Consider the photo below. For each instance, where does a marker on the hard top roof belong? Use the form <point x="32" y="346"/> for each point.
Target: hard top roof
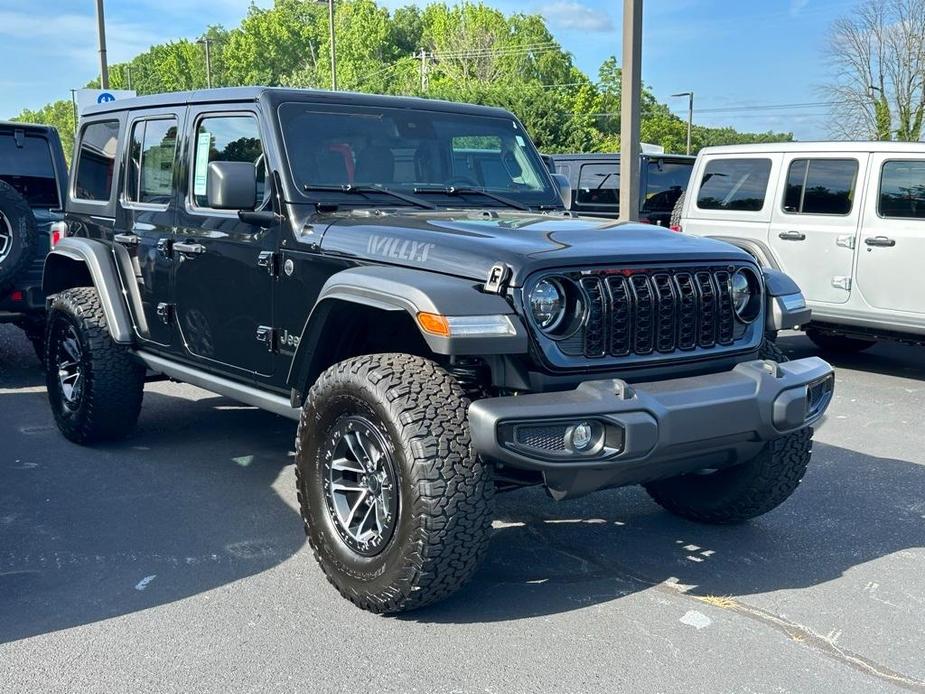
<point x="35" y="127"/>
<point x="821" y="146"/>
<point x="277" y="95"/>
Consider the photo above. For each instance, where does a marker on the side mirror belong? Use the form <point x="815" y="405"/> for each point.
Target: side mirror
<point x="231" y="185"/>
<point x="565" y="189"/>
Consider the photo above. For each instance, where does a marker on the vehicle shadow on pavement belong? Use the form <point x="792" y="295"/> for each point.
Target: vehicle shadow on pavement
<point x="547" y="558"/>
<point x="190" y="502"/>
<point x="887" y="358"/>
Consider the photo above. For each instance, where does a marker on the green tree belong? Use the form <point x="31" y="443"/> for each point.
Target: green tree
<point x="60" y="114"/>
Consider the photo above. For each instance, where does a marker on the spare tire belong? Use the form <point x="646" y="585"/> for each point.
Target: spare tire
<point x="17" y="235"/>
<point x="675" y="221"/>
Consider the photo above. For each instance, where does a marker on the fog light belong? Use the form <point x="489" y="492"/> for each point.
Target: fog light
<point x="582" y="436"/>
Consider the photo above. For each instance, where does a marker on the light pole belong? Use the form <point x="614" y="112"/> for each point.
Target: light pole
<point x="690" y="115"/>
<point x="101" y="31"/>
<point x="207" y="42"/>
<point x="631" y="86"/>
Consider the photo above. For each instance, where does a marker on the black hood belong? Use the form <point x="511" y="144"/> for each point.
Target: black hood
<point x="467" y="243"/>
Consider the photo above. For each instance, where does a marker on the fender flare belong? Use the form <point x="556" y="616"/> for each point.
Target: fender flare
<point x="392" y="289"/>
<point x="757" y="249"/>
<point x="73" y="260"/>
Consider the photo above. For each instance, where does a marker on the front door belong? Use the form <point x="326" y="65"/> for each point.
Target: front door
<point x="892" y="243"/>
<point x="147" y="217"/>
<point x="814" y="223"/>
<point x="223" y="289"/>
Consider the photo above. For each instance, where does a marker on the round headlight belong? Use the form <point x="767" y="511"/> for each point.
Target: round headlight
<point x="746" y="295"/>
<point x="547" y="304"/>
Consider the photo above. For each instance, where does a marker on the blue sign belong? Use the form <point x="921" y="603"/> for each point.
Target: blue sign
<point x="104" y="98"/>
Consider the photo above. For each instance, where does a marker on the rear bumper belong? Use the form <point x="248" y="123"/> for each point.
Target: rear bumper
<point x="649" y="431"/>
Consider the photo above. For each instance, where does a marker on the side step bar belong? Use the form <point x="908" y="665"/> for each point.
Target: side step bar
<point x="231" y="389"/>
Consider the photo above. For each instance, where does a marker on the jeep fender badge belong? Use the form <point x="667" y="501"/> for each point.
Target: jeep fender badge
<point x="498" y="277"/>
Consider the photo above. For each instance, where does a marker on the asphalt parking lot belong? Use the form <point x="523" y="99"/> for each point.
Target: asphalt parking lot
<point x="176" y="561"/>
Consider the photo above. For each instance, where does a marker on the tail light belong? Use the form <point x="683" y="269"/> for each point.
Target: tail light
<point x="675" y="227"/>
<point x="58" y="232"/>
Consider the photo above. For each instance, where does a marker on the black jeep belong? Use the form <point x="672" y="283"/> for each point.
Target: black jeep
<point x="401" y="277"/>
<point x="33" y="176"/>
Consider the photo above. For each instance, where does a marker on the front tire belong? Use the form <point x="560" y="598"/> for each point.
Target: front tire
<point x="737" y="494"/>
<point x="387" y="435"/>
<point x="94" y="386"/>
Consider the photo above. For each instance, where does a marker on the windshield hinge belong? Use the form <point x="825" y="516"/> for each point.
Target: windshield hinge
<point x="269" y="260"/>
<point x="498" y="277"/>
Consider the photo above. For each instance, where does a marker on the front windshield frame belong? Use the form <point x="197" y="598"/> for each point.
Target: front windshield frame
<point x="538" y="192"/>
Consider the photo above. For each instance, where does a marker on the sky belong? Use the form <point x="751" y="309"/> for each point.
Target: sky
<point x="753" y="64"/>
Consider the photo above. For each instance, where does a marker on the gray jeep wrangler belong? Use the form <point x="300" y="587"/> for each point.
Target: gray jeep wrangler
<point x="401" y="277"/>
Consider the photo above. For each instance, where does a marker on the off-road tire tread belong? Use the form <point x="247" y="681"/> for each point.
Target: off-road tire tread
<point x="452" y="511"/>
<point x="763" y="484"/>
<point x="114" y="382"/>
<point x="676" y="211"/>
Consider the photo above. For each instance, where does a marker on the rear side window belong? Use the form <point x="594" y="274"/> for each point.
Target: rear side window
<point x="26" y="165"/>
<point x="734" y="184"/>
<point x="149" y="177"/>
<point x="598" y="184"/>
<point x="96" y="160"/>
<point x="902" y="189"/>
<point x="226" y="138"/>
<point x="820" y="186"/>
<point x="665" y="181"/>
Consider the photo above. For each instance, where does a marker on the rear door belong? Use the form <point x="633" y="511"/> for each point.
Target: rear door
<point x="147" y="222"/>
<point x="891" y="251"/>
<point x="815" y="220"/>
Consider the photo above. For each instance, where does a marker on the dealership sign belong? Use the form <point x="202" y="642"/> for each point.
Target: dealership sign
<point x="85" y="98"/>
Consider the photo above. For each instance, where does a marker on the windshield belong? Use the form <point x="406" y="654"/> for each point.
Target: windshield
<point x="413" y="151"/>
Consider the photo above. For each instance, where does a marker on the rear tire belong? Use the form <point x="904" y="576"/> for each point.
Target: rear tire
<point x="407" y="419"/>
<point x="829" y="342"/>
<point x="737" y="494"/>
<point x="94" y="386"/>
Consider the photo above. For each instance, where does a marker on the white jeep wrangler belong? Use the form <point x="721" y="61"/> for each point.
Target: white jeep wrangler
<point x="846" y="220"/>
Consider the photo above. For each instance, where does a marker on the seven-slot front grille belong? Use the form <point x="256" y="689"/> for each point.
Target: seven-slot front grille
<point x="657" y="311"/>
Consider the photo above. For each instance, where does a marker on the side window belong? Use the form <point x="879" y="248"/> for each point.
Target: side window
<point x="598" y="184"/>
<point x="820" y="186"/>
<point x="226" y="138"/>
<point x="152" y="152"/>
<point x="96" y="161"/>
<point x="734" y="184"/>
<point x="902" y="189"/>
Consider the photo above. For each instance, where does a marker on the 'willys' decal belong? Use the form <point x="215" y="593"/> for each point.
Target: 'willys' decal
<point x="403" y="249"/>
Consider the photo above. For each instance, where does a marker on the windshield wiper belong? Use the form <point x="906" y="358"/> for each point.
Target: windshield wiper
<point x="453" y="190"/>
<point x="364" y="190"/>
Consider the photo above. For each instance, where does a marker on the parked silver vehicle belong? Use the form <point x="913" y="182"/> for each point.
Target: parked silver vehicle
<point x="846" y="220"/>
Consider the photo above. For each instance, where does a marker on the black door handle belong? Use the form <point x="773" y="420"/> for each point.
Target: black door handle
<point x="882" y="241"/>
<point x="792" y="236"/>
<point x="127" y="239"/>
<point x="188" y="248"/>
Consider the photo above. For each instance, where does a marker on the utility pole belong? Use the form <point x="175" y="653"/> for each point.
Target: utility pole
<point x="423" y="56"/>
<point x="690" y="115"/>
<point x="101" y="31"/>
<point x="333" y="49"/>
<point x="207" y="42"/>
<point x="128" y="76"/>
<point x="631" y="86"/>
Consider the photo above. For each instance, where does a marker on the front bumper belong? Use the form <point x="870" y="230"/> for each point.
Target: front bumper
<point x="649" y="431"/>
